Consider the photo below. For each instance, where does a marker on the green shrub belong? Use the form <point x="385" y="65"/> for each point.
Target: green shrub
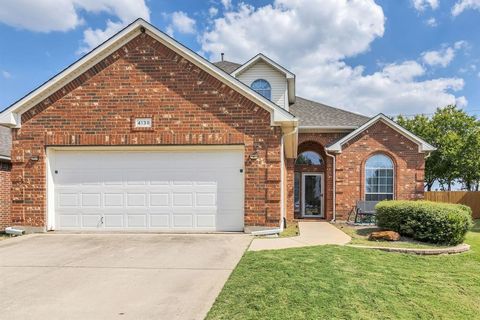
<point x="433" y="222"/>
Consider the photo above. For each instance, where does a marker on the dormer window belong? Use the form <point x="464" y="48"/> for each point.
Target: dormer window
<point x="262" y="87"/>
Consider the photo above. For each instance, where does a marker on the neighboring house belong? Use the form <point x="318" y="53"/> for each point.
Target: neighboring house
<point x="142" y="133"/>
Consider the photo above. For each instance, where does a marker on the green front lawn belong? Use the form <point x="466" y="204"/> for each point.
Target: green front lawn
<point x="333" y="282"/>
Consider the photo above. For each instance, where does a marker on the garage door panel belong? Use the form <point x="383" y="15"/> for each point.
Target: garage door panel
<point x="183" y="221"/>
<point x="91" y="220"/>
<point x="67" y="199"/>
<point x="114" y="221"/>
<point x="159" y="220"/>
<point x="113" y="200"/>
<point x="182" y="199"/>
<point x="158" y="199"/>
<point x="136" y="199"/>
<point x="137" y="221"/>
<point x="69" y="220"/>
<point x="92" y="200"/>
<point x="205" y="199"/>
<point x="141" y="190"/>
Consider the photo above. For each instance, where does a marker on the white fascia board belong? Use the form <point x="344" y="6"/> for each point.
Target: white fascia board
<point x="279" y="115"/>
<point x="10" y="119"/>
<point x="263" y="57"/>
<point x="423" y="146"/>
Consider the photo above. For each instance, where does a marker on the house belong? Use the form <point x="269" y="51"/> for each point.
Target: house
<point x="144" y="134"/>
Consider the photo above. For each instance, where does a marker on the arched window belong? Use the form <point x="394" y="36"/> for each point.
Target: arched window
<point x="262" y="87"/>
<point x="309" y="158"/>
<point x="379" y="178"/>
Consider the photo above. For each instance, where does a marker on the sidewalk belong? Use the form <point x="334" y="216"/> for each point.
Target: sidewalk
<point x="311" y="234"/>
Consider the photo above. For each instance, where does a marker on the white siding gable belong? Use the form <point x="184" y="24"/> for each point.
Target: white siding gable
<point x="277" y="80"/>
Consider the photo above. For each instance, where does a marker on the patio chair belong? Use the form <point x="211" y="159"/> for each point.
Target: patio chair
<point x="365" y="212"/>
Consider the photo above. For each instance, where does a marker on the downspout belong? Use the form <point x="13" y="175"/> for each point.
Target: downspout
<point x="334" y="185"/>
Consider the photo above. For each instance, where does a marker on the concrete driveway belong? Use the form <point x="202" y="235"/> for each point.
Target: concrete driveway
<point x="115" y="276"/>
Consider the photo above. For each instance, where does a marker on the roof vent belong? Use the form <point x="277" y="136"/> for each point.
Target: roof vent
<point x="222" y="54"/>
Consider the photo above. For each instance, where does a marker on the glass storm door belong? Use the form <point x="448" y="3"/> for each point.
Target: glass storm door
<point x="312" y="195"/>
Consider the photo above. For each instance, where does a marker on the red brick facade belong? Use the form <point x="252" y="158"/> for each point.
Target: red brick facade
<point x="5" y="187"/>
<point x="188" y="107"/>
<point x="350" y="167"/>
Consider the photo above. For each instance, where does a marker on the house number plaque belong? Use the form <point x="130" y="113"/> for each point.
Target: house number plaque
<point x="143" y="122"/>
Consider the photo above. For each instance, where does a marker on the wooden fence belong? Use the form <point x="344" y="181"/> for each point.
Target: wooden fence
<point x="469" y="198"/>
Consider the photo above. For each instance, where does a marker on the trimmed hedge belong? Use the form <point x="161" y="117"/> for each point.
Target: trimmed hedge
<point x="433" y="222"/>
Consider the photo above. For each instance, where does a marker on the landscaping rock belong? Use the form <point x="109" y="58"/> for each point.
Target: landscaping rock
<point x="384" y="235"/>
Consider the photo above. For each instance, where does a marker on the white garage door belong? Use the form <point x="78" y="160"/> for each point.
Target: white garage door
<point x="171" y="191"/>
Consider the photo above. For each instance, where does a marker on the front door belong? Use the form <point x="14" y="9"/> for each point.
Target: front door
<point x="312" y="195"/>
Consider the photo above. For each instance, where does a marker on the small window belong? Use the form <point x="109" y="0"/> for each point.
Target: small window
<point x="309" y="158"/>
<point x="379" y="178"/>
<point x="262" y="87"/>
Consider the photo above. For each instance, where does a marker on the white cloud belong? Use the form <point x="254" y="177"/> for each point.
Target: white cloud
<point x="463" y="5"/>
<point x="65" y="15"/>
<point x="212" y="11"/>
<point x="182" y="23"/>
<point x="421" y="5"/>
<point x="314" y="39"/>
<point x="444" y="56"/>
<point x="439" y="58"/>
<point x="461" y="102"/>
<point x="227" y="4"/>
<point x="6" y="74"/>
<point x="432" y="22"/>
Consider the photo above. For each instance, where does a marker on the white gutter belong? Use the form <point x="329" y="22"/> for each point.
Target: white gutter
<point x="334" y="158"/>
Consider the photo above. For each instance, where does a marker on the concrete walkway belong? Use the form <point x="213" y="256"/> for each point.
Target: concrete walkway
<point x="311" y="234"/>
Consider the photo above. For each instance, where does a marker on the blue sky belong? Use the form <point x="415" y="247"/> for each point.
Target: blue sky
<point x="402" y="56"/>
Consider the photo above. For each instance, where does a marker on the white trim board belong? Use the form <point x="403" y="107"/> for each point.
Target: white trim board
<point x="11" y="116"/>
<point x="423" y="146"/>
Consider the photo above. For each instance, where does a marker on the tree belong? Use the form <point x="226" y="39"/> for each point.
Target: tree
<point x="455" y="134"/>
<point x="422" y="126"/>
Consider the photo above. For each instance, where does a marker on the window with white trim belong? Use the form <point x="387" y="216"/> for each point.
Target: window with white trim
<point x="262" y="87"/>
<point x="379" y="178"/>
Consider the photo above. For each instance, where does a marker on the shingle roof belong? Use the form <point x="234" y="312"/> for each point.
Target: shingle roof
<point x="227" y="66"/>
<point x="311" y="113"/>
<point x="5" y="142"/>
